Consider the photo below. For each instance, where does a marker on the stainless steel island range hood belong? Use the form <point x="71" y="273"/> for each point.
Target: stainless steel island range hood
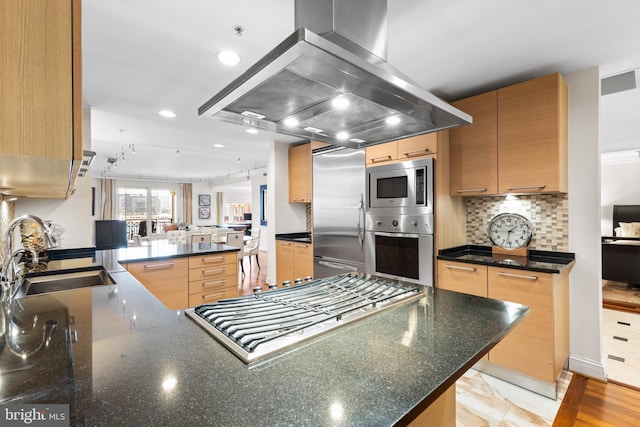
<point x="329" y="81"/>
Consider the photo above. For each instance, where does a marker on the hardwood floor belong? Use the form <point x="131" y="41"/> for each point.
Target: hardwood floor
<point x="593" y="403"/>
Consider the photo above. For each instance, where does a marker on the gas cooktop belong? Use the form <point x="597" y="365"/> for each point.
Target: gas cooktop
<point x="256" y="326"/>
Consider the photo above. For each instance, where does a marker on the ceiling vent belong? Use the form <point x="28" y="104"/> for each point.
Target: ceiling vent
<point x="618" y="83"/>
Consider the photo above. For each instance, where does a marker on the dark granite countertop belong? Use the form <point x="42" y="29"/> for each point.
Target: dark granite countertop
<point x="136" y="362"/>
<point x="303" y="237"/>
<point x="541" y="261"/>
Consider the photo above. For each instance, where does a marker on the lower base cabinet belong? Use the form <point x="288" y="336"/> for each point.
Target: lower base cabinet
<point x="539" y="345"/>
<point x="166" y="279"/>
<point x="294" y="260"/>
<point x="180" y="283"/>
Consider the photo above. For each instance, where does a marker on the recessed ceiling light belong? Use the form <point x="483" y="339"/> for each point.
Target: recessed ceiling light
<point x="228" y="57"/>
<point x="218" y="145"/>
<point x="251" y="130"/>
<point x="291" y="122"/>
<point x="167" y="113"/>
<point x="393" y="120"/>
<point x="342" y="136"/>
<point x="340" y="103"/>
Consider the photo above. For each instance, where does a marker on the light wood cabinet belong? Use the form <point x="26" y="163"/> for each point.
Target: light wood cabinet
<point x="212" y="277"/>
<point x="474" y="148"/>
<point x="532" y="136"/>
<point x="403" y="149"/>
<point x="300" y="174"/>
<point x="517" y="143"/>
<point x="463" y="277"/>
<point x="539" y="345"/>
<point x="41" y="102"/>
<point x="294" y="260"/>
<point x="167" y="280"/>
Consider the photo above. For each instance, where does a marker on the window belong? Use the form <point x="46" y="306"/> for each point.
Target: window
<point x="146" y="210"/>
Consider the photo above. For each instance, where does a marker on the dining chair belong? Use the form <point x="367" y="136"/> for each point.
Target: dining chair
<point x="251" y="247"/>
<point x="176" y="237"/>
<point x="234" y="238"/>
<point x="220" y="234"/>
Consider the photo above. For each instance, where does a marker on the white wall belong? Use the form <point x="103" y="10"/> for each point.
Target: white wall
<point x="616" y="190"/>
<point x="585" y="223"/>
<point x="282" y="216"/>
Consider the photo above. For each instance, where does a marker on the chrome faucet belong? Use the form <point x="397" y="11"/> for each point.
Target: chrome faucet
<point x="10" y="283"/>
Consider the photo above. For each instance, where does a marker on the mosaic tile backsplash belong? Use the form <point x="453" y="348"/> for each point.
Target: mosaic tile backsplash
<point x="549" y="214"/>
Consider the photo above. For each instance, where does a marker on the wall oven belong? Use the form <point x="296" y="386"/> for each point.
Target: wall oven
<point x="399" y="221"/>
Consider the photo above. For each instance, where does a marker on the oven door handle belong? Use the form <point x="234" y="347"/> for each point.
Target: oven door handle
<point x="338" y="266"/>
<point x="398" y="235"/>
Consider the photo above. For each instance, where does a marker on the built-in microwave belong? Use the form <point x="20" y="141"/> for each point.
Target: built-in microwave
<point x="406" y="185"/>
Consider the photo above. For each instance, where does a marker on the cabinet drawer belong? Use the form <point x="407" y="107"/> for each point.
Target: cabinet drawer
<point x="212" y="285"/>
<point x="213" y="272"/>
<point x="418" y="146"/>
<point x="463" y="277"/>
<point x="166" y="279"/>
<point x="213" y="295"/>
<point x="213" y="259"/>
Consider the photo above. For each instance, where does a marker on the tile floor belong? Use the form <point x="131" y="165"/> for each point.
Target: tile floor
<point x="483" y="400"/>
<point x="621" y="345"/>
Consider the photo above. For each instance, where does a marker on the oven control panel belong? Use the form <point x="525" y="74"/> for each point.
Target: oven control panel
<point x="419" y="224"/>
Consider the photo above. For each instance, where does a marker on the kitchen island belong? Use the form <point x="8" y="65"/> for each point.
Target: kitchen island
<point x="136" y="362"/>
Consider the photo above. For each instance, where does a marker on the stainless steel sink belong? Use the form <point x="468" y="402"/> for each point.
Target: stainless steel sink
<point x="65" y="281"/>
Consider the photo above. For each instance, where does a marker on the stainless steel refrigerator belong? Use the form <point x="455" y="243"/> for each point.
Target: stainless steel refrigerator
<point x="338" y="212"/>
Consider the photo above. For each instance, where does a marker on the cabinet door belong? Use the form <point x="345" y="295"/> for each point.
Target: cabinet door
<point x="303" y="260"/>
<point x="529" y="347"/>
<point x="532" y="136"/>
<point x="300" y="174"/>
<point x="381" y="153"/>
<point x="41" y="102"/>
<point x="167" y="280"/>
<point x="474" y="148"/>
<point x="418" y="146"/>
<point x="462" y="277"/>
<point x="284" y="261"/>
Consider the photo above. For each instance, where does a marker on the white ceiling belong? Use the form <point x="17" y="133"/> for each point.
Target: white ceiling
<point x="141" y="56"/>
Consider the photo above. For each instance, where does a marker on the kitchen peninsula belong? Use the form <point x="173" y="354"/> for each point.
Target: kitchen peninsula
<point x="151" y="365"/>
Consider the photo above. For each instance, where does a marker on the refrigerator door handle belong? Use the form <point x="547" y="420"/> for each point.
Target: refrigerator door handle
<point x="361" y="220"/>
<point x="337" y="265"/>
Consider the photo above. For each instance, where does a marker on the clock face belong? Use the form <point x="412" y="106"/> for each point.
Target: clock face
<point x="510" y="231"/>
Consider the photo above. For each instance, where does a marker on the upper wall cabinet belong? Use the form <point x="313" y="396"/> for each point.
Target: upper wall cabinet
<point x="41" y="102"/>
<point x="403" y="149"/>
<point x="517" y="143"/>
<point x="474" y="148"/>
<point x="300" y="174"/>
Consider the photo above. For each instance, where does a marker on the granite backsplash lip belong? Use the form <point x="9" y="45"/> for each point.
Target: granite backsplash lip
<point x="540" y="261"/>
<point x="303" y="237"/>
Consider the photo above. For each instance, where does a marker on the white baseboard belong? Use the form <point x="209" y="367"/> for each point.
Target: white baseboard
<point x="587" y="367"/>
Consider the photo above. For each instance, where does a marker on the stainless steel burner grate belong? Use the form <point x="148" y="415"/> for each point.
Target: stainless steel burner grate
<point x="264" y="323"/>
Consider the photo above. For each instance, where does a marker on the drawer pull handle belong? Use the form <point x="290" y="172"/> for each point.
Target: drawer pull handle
<point x="218" y="259"/>
<point x="380" y="158"/>
<point x="163" y="265"/>
<point x="519" y="276"/>
<point x="415" y="152"/>
<point x="216" y="271"/>
<point x="472" y="190"/>
<point x="526" y="187"/>
<point x="455" y="267"/>
<point x="213" y="295"/>
<point x="217" y="282"/>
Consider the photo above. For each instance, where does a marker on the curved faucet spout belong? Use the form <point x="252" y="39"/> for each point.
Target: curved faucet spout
<point x="9" y="268"/>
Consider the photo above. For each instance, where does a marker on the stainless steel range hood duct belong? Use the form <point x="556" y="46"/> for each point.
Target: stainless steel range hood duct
<point x="337" y="53"/>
